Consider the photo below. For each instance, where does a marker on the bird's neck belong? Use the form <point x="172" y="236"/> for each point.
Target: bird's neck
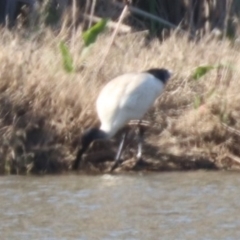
<point x="108" y="131"/>
<point x="100" y="134"/>
<point x="91" y="135"/>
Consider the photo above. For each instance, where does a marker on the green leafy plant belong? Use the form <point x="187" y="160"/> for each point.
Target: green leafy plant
<point x="66" y="57"/>
<point x="90" y="35"/>
<point x="201" y="71"/>
<point x="89" y="38"/>
<point x="197" y="102"/>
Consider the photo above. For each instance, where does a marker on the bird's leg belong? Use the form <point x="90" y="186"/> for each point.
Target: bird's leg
<point x="118" y="156"/>
<point x="141" y="131"/>
<point x="120" y="149"/>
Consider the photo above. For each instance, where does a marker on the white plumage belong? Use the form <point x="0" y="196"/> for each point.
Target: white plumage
<point x="127" y="97"/>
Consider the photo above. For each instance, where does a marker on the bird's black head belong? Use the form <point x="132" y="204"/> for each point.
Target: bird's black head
<point x="160" y="73"/>
<point x="90" y="135"/>
<point x="87" y="138"/>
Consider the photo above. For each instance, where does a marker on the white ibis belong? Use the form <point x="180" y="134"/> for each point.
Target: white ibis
<point x="126" y="97"/>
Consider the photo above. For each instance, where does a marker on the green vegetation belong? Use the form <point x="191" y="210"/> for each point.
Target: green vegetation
<point x="201" y="71"/>
<point x="67" y="58"/>
<point x="89" y="37"/>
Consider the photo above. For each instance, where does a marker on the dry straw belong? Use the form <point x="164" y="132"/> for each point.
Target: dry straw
<point x="44" y="109"/>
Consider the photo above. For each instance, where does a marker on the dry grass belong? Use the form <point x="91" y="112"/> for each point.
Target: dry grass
<point x="44" y="109"/>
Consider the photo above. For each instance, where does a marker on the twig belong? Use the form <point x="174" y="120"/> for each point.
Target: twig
<point x="122" y="27"/>
<point x="146" y="14"/>
<point x="74" y="10"/>
<point x="233" y="158"/>
<point x="92" y="13"/>
<point x="87" y="7"/>
<point x="153" y="17"/>
<point x="191" y="16"/>
<point x="122" y="16"/>
<point x="230" y="129"/>
<point x="227" y="17"/>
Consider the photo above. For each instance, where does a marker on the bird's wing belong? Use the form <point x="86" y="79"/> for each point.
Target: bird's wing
<point x="140" y="95"/>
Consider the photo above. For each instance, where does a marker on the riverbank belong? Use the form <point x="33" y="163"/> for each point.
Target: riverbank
<point x="44" y="109"/>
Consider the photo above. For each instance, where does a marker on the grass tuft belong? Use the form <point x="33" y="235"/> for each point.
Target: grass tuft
<point x="44" y="109"/>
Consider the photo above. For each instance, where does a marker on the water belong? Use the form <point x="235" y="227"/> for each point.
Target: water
<point x="183" y="205"/>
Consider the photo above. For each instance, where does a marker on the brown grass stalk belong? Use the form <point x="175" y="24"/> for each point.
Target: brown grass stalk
<point x="114" y="34"/>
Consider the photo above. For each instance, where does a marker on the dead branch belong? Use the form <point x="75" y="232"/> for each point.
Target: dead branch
<point x="122" y="16"/>
<point x="122" y="27"/>
<point x="231" y="129"/>
<point x="146" y="14"/>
